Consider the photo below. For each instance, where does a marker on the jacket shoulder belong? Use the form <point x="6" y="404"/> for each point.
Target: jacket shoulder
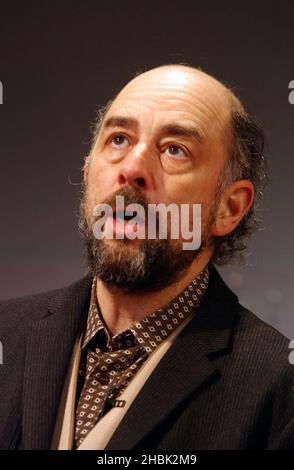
<point x="267" y="350"/>
<point x="29" y="308"/>
<point x="258" y="331"/>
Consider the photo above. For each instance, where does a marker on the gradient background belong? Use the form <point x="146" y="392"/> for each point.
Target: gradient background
<point x="60" y="60"/>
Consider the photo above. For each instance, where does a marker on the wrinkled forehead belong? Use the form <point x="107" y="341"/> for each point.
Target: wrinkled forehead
<point x="190" y="95"/>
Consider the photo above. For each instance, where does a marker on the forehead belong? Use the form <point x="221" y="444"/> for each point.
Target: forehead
<point x="160" y="96"/>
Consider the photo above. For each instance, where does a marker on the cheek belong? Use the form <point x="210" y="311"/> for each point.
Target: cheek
<point x="195" y="189"/>
<point x="190" y="190"/>
<point x="101" y="179"/>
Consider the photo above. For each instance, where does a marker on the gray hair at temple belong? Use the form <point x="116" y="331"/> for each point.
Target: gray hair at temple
<point x="246" y="161"/>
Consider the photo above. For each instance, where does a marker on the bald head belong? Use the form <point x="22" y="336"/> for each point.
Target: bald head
<point x="177" y="77"/>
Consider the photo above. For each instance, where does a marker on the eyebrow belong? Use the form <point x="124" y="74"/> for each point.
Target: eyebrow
<point x="172" y="129"/>
<point x="180" y="130"/>
<point x="120" y="121"/>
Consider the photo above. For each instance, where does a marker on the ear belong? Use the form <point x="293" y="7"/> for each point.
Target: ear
<point x="86" y="167"/>
<point x="234" y="205"/>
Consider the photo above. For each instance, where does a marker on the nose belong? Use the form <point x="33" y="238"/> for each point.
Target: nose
<point x="136" y="168"/>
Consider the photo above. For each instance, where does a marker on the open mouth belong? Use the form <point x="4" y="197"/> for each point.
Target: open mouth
<point x="121" y="225"/>
<point x="122" y="216"/>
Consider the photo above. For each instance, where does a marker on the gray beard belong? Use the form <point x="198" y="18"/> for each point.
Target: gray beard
<point x="152" y="265"/>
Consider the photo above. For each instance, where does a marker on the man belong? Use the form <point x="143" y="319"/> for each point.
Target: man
<point x="151" y="350"/>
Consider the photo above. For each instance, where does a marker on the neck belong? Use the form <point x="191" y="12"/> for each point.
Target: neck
<point x="121" y="310"/>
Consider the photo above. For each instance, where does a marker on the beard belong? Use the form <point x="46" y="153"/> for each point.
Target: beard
<point x="150" y="265"/>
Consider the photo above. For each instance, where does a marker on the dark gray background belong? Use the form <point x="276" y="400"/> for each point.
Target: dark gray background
<point x="59" y="61"/>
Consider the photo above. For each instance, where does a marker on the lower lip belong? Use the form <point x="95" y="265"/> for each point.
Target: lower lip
<point x="119" y="227"/>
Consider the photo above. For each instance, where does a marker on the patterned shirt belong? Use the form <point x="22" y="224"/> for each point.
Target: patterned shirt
<point x="108" y="363"/>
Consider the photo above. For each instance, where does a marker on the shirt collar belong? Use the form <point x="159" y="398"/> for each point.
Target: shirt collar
<point x="154" y="328"/>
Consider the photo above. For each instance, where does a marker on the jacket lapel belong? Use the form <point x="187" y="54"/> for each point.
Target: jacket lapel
<point x="49" y="348"/>
<point x="186" y="366"/>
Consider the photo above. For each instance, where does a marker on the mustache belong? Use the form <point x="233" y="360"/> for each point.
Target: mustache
<point x="131" y="196"/>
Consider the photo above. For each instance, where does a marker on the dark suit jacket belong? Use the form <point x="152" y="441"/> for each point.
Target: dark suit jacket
<point x="226" y="383"/>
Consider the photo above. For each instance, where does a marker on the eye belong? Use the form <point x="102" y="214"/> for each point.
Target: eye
<point x="175" y="151"/>
<point x="119" y="141"/>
